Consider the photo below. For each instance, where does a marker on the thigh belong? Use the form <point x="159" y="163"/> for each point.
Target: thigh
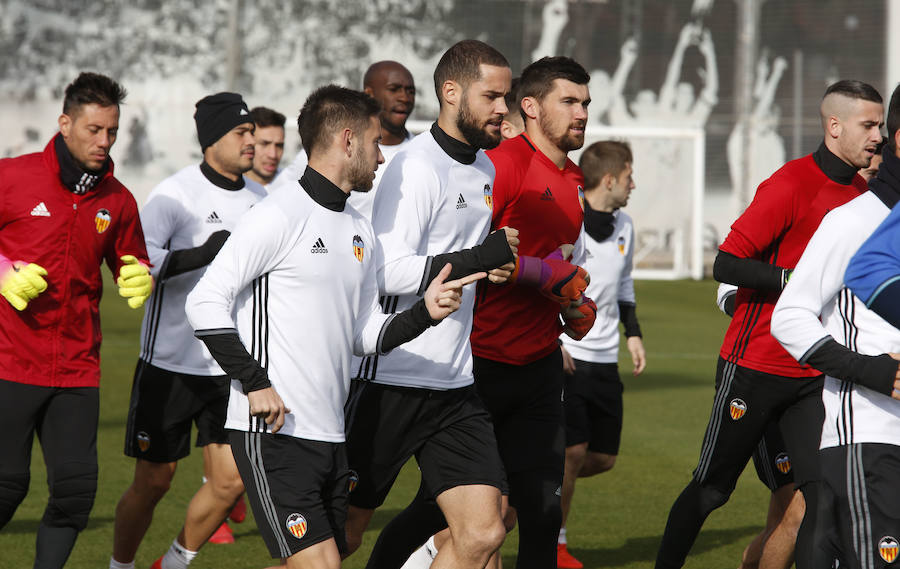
<point x="291" y="484"/>
<point x="213" y="392"/>
<point x="801" y="427"/>
<point x="68" y="429"/>
<point x="383" y="432"/>
<point x="742" y="408"/>
<point x="20" y="408"/>
<point x="605" y="406"/>
<point x="462" y="449"/>
<point x="160" y="416"/>
<point x="771" y="459"/>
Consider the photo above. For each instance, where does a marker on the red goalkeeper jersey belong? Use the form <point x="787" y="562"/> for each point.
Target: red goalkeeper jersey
<point x="516" y="324"/>
<point x="775" y="228"/>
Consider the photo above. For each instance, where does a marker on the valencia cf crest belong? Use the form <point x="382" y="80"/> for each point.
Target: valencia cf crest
<point x="888" y="548"/>
<point x="783" y="463"/>
<point x="489" y="196"/>
<point x="621" y="243"/>
<point x="102" y="220"/>
<point x="143" y="440"/>
<point x="359" y="248"/>
<point x="354" y="480"/>
<point x="581" y="196"/>
<point x="738" y="409"/>
<point x="296" y="524"/>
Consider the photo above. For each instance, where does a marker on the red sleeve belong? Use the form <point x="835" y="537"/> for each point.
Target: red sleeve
<point x="767" y="217"/>
<point x="129" y="238"/>
<point x="506" y="184"/>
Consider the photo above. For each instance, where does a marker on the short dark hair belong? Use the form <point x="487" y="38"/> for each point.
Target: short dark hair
<point x="331" y="108"/>
<point x="92" y="88"/>
<point x="537" y="79"/>
<point x="264" y="116"/>
<point x="893" y="115"/>
<point x="855" y="90"/>
<point x="462" y="63"/>
<point x="602" y="158"/>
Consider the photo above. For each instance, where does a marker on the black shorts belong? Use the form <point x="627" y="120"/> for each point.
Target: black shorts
<point x="449" y="433"/>
<point x="861" y="496"/>
<point x="772" y="460"/>
<point x="163" y="406"/>
<point x="297" y="489"/>
<point x="746" y="402"/>
<point x="593" y="407"/>
<point x="525" y="403"/>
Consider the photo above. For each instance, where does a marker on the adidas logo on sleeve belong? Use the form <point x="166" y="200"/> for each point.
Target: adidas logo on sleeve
<point x="40" y="210"/>
<point x="461" y="203"/>
<point x="319" y="247"/>
<point x="213" y="218"/>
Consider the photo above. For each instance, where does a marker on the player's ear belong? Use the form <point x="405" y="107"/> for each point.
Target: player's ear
<point x="347" y="142"/>
<point x="530" y="106"/>
<point x="834" y="126"/>
<point x="369" y="91"/>
<point x="607" y="182"/>
<point x="452" y="92"/>
<point x="896" y="141"/>
<point x="65" y="124"/>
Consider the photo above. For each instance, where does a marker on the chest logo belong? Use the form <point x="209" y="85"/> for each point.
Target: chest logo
<point x="489" y="196"/>
<point x="102" y="219"/>
<point x="547" y="195"/>
<point x="214" y="218"/>
<point x="888" y="548"/>
<point x="581" y="196"/>
<point x="296" y="524"/>
<point x="738" y="409"/>
<point x="319" y="247"/>
<point x="359" y="248"/>
<point x="621" y="243"/>
<point x="461" y="202"/>
<point x="40" y="210"/>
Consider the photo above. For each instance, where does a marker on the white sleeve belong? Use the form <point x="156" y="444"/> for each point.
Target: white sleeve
<point x="723" y="293"/>
<point x="255" y="247"/>
<point x="161" y="217"/>
<point x="579" y="253"/>
<point x="816" y="280"/>
<point x="401" y="217"/>
<point x="626" y="283"/>
<point x="372" y="322"/>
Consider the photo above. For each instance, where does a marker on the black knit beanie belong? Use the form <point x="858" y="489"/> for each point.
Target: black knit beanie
<point x="217" y="114"/>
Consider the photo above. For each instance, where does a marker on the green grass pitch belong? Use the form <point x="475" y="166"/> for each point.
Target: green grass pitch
<point x="617" y="517"/>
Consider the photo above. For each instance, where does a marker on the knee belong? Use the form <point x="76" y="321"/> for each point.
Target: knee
<point x="575" y="456"/>
<point x="480" y="540"/>
<point x="228" y="488"/>
<point x="597" y="463"/>
<point x="72" y="492"/>
<point x="711" y="498"/>
<point x="13" y="488"/>
<point x="153" y="485"/>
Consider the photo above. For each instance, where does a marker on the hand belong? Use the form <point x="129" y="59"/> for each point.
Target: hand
<point x="579" y="318"/>
<point x="501" y="274"/>
<point x="214" y="242"/>
<point x="512" y="239"/>
<point x="638" y="356"/>
<point x="554" y="277"/>
<point x="568" y="361"/>
<point x="780" y="64"/>
<point x="688" y="34"/>
<point x="21" y="282"/>
<point x="135" y="282"/>
<point x="267" y="403"/>
<point x="443" y="298"/>
<point x="629" y="49"/>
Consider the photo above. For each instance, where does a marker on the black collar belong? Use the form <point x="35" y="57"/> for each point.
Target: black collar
<point x="886" y="183"/>
<point x="220" y="180"/>
<point x="323" y="191"/>
<point x="75" y="178"/>
<point x="833" y="167"/>
<point x="598" y="224"/>
<point x="456" y="149"/>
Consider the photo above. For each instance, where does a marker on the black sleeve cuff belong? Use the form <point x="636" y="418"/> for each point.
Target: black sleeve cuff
<point x="748" y="273"/>
<point x="184" y="260"/>
<point x="875" y="372"/>
<point x="628" y="317"/>
<point x="404" y="326"/>
<point x="228" y="350"/>
<point x="886" y="305"/>
<point x="493" y="252"/>
<point x="730" y="302"/>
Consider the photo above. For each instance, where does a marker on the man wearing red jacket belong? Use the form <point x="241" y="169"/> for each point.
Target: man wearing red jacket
<point x="757" y="380"/>
<point x="62" y="213"/>
<point x="515" y="337"/>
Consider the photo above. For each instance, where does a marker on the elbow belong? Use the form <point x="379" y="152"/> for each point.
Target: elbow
<point x="720" y="269"/>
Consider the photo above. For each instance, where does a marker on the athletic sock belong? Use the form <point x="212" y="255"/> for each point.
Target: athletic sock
<point x="562" y="536"/>
<point x="54" y="544"/>
<point x="113" y="564"/>
<point x="177" y="557"/>
<point x="431" y="547"/>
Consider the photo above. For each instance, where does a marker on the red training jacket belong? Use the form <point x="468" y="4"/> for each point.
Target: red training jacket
<point x="55" y="341"/>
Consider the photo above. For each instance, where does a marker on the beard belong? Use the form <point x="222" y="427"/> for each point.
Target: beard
<point x="565" y="141"/>
<point x="474" y="130"/>
<point x="360" y="175"/>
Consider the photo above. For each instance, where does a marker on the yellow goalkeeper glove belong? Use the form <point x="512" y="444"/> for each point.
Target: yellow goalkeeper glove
<point x="135" y="282"/>
<point x="21" y="282"/>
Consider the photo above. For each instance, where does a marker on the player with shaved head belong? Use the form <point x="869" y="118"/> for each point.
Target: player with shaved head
<point x="757" y="380"/>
